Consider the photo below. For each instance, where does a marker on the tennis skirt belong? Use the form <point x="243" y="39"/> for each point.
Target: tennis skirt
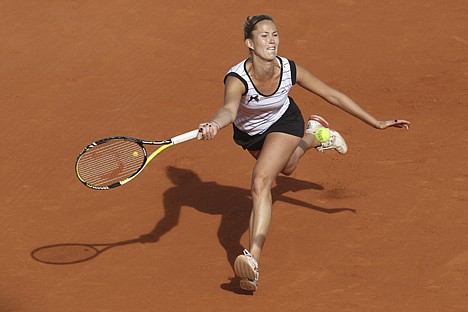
<point x="291" y="122"/>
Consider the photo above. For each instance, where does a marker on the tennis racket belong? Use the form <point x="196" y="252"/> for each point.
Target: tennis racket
<point x="114" y="161"/>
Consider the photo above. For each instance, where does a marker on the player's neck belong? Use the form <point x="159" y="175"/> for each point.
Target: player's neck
<point x="263" y="69"/>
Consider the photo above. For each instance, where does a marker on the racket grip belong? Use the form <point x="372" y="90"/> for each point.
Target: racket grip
<point x="185" y="137"/>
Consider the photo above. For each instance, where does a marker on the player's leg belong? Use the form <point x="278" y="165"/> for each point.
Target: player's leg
<point x="309" y="141"/>
<point x="276" y="151"/>
<point x="275" y="154"/>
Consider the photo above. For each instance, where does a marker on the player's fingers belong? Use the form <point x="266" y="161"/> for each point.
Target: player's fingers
<point x="212" y="130"/>
<point x="209" y="133"/>
<point x="200" y="134"/>
<point x="202" y="131"/>
<point x="206" y="131"/>
<point x="400" y="123"/>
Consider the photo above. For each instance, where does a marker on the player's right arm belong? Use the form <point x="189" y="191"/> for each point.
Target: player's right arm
<point x="226" y="114"/>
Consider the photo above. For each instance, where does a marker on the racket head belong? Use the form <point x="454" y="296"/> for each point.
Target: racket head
<point x="110" y="162"/>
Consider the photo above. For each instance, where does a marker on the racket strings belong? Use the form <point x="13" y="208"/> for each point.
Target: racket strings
<point x="110" y="162"/>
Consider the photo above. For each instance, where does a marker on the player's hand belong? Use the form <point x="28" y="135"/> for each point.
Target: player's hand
<point x="398" y="123"/>
<point x="207" y="131"/>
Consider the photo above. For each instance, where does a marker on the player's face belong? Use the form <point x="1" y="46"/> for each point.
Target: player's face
<point x="265" y="40"/>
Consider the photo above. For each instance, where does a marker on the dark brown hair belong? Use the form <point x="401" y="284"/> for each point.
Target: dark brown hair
<point x="252" y="21"/>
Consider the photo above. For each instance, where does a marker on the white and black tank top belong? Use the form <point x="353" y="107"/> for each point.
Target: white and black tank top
<point x="257" y="111"/>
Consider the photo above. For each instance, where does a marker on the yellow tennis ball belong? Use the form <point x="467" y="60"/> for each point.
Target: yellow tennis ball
<point x="322" y="135"/>
<point x="135" y="154"/>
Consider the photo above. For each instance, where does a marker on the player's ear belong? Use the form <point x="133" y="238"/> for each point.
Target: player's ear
<point x="249" y="44"/>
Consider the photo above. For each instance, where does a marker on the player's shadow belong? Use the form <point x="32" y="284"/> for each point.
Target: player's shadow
<point x="232" y="203"/>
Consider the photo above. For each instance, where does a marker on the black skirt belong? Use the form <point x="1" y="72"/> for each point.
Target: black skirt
<point x="291" y="122"/>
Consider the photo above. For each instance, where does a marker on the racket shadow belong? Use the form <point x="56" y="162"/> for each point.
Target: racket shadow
<point x="73" y="253"/>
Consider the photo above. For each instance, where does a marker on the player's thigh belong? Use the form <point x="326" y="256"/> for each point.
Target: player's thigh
<point x="276" y="152"/>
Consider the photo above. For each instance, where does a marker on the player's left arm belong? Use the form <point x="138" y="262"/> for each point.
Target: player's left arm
<point x="310" y="82"/>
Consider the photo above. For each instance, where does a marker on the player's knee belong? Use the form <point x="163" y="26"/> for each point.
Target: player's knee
<point x="261" y="184"/>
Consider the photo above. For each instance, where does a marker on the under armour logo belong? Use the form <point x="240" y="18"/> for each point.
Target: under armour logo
<point x="253" y="97"/>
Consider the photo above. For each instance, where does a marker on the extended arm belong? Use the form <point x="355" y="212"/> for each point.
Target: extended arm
<point x="308" y="81"/>
<point x="226" y="114"/>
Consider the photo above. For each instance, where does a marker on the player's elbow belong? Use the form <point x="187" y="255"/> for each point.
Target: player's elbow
<point x="230" y="113"/>
<point x="334" y="100"/>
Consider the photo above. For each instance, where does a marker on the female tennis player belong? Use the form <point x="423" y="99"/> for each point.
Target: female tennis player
<point x="269" y="125"/>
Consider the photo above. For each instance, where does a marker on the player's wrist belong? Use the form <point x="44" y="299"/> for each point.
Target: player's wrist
<point x="216" y="124"/>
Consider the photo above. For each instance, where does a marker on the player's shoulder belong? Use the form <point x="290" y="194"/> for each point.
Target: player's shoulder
<point x="239" y="68"/>
<point x="285" y="60"/>
<point x="288" y="67"/>
<point x="239" y="73"/>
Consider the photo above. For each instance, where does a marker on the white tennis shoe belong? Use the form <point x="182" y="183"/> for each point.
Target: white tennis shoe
<point x="336" y="141"/>
<point x="246" y="267"/>
<point x="315" y="122"/>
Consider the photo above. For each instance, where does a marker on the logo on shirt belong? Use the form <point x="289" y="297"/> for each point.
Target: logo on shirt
<point x="253" y="97"/>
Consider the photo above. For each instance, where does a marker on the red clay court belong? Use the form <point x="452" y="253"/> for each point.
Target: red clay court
<point x="384" y="228"/>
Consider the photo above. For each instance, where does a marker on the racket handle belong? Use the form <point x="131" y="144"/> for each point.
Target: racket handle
<point x="185" y="137"/>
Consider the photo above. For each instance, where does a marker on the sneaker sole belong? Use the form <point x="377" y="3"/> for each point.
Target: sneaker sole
<point x="243" y="269"/>
<point x="245" y="284"/>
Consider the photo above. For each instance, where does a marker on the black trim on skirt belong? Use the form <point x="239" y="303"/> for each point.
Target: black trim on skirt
<point x="291" y="122"/>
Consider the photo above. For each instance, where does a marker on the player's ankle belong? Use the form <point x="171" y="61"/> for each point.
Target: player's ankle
<point x="309" y="141"/>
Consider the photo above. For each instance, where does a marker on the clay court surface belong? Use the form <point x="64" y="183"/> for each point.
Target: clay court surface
<point x="384" y="228"/>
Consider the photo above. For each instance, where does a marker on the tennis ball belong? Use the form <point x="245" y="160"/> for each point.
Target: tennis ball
<point x="135" y="154"/>
<point x="322" y="135"/>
